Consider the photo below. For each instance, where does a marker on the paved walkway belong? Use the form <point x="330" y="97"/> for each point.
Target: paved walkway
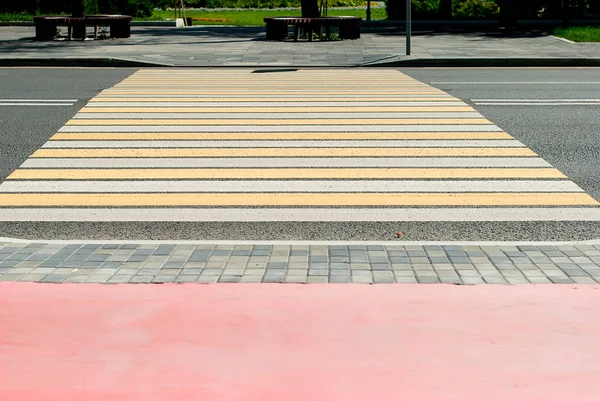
<point x="214" y="46"/>
<point x="189" y="262"/>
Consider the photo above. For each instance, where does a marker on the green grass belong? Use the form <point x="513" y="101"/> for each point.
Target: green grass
<point x="579" y="34"/>
<point x="238" y="18"/>
<point x="255" y="17"/>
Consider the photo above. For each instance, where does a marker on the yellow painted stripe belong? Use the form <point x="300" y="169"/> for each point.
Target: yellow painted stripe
<point x="322" y="98"/>
<point x="200" y="91"/>
<point x="280" y="136"/>
<point x="299" y="199"/>
<point x="346" y="109"/>
<point x="283" y="152"/>
<point x="253" y="86"/>
<point x="260" y="121"/>
<point x="283" y="173"/>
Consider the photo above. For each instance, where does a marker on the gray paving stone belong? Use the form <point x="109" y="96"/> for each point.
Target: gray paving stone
<point x="120" y="278"/>
<point x="584" y="280"/>
<point x="473" y="280"/>
<point x="10" y="277"/>
<point x="182" y="278"/>
<point x="427" y="280"/>
<point x="32" y="277"/>
<point x="53" y="278"/>
<point x="362" y="279"/>
<point x="100" y="278"/>
<point x="406" y="280"/>
<point x="76" y="278"/>
<point x="229" y="279"/>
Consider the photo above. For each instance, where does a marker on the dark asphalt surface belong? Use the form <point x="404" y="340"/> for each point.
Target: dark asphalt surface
<point x="568" y="137"/>
<point x="23" y="129"/>
<point x="565" y="136"/>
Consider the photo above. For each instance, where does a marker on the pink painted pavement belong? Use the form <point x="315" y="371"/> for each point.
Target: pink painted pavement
<point x="299" y="342"/>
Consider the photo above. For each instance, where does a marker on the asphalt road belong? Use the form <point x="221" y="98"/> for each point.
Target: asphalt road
<point x="26" y="127"/>
<point x="564" y="135"/>
<point x="567" y="136"/>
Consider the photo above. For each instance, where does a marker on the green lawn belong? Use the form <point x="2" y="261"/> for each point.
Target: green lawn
<point x="241" y="18"/>
<point x="579" y="34"/>
<point x="255" y="17"/>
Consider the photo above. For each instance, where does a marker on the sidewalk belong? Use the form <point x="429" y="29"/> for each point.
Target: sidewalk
<point x="298" y="262"/>
<point x="235" y="46"/>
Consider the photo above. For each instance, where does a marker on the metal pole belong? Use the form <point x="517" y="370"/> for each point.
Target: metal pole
<point x="368" y="10"/>
<point x="408" y="26"/>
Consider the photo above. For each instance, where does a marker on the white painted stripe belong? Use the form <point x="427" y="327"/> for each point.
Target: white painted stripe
<point x="39" y="100"/>
<point x="287" y="144"/>
<point x="281" y="128"/>
<point x="300" y="214"/>
<point x="317" y="162"/>
<point x="287" y="186"/>
<point x="536" y="100"/>
<point x="535" y="104"/>
<point x="308" y="103"/>
<point x="515" y="83"/>
<point x="306" y="115"/>
<point x="36" y="104"/>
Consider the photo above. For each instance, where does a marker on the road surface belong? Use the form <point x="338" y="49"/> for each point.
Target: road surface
<point x="442" y="154"/>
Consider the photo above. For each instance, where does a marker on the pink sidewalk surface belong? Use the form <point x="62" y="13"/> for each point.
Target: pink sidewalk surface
<point x="299" y="342"/>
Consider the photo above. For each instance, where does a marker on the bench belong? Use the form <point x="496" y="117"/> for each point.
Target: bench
<point x="277" y="27"/>
<point x="46" y="27"/>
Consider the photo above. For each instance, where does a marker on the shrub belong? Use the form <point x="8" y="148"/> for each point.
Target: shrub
<point x="475" y="9"/>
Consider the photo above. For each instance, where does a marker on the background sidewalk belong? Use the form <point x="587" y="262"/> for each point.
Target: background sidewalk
<point x="245" y="46"/>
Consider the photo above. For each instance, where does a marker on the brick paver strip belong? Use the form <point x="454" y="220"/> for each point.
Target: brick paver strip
<point x="370" y="264"/>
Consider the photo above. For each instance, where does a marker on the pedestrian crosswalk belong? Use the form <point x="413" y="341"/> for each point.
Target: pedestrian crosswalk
<point x="303" y="145"/>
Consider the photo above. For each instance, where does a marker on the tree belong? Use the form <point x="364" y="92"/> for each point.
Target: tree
<point x="396" y="9"/>
<point x="78" y="8"/>
<point x="310" y="8"/>
<point x="445" y="10"/>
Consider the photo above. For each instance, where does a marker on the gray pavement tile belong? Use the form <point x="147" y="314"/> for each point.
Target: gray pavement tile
<point x="272" y="279"/>
<point x="561" y="280"/>
<point x="316" y="279"/>
<point x="584" y="280"/>
<point x="120" y="278"/>
<point x="32" y="277"/>
<point x="229" y="279"/>
<point x="53" y="278"/>
<point x="473" y="280"/>
<point x="427" y="280"/>
<point x="21" y="270"/>
<point x="450" y="280"/>
<point x="362" y="279"/>
<point x="318" y="272"/>
<point x="10" y="277"/>
<point x="159" y="279"/>
<point x="98" y="278"/>
<point x="383" y="280"/>
<point x="185" y="278"/>
<point x="539" y="280"/>
<point x="495" y="280"/>
<point x="75" y="278"/>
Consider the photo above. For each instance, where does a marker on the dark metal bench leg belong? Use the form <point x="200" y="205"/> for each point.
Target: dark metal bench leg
<point x="296" y="32"/>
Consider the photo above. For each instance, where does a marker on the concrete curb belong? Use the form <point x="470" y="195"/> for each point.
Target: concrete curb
<point x="386" y="63"/>
<point x="302" y="242"/>
<point x="77" y="62"/>
<point x="489" y="62"/>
